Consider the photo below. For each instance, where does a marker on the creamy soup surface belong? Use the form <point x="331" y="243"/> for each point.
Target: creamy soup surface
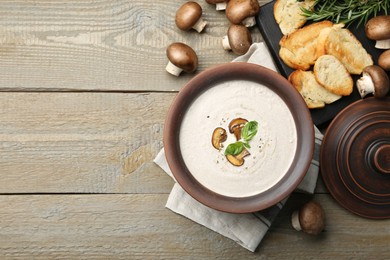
<point x="272" y="149"/>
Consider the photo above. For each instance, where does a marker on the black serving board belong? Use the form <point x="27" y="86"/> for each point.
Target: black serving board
<point x="272" y="35"/>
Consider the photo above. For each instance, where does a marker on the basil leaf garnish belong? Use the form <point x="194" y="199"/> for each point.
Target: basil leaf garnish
<point x="246" y="145"/>
<point x="234" y="148"/>
<point x="249" y="131"/>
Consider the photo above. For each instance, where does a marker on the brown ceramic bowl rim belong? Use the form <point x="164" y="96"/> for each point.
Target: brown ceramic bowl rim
<point x="249" y="72"/>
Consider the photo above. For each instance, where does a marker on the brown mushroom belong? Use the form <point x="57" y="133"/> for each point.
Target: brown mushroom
<point x="242" y="12"/>
<point x="181" y="57"/>
<point x="188" y="16"/>
<point x="236" y="125"/>
<point x="384" y="60"/>
<point x="310" y="218"/>
<point x="238" y="160"/>
<point x="219" y="136"/>
<point x="220" y="5"/>
<point x="374" y="80"/>
<point x="238" y="39"/>
<point x="378" y="29"/>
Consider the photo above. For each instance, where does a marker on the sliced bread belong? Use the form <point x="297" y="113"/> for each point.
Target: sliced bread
<point x="314" y="94"/>
<point x="299" y="49"/>
<point x="342" y="44"/>
<point x="333" y="75"/>
<point x="322" y="37"/>
<point x="288" y="14"/>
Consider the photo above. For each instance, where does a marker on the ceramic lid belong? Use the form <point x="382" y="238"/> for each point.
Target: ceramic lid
<point x="355" y="158"/>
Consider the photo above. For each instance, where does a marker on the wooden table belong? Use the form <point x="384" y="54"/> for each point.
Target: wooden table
<point x="84" y="94"/>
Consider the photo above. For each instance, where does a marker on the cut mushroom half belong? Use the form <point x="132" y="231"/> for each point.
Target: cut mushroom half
<point x="181" y="58"/>
<point x="236" y="125"/>
<point x="238" y="160"/>
<point x="242" y="12"/>
<point x="378" y="29"/>
<point x="219" y="136"/>
<point x="238" y="39"/>
<point x="189" y="16"/>
<point x="374" y="80"/>
<point x="220" y="5"/>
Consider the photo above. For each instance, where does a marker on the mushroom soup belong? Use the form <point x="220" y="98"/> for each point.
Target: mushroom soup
<point x="271" y="150"/>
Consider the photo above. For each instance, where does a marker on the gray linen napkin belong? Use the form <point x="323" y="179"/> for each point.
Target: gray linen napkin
<point x="246" y="229"/>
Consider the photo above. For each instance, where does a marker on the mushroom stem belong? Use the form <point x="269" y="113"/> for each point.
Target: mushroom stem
<point x="382" y="44"/>
<point x="199" y="25"/>
<point x="249" y="21"/>
<point x="295" y="220"/>
<point x="173" y="69"/>
<point x="365" y="85"/>
<point x="221" y="6"/>
<point x="225" y="43"/>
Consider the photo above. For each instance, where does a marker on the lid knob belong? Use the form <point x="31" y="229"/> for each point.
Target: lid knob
<point x="381" y="158"/>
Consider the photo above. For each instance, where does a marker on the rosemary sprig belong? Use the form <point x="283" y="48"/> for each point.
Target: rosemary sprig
<point x="346" y="11"/>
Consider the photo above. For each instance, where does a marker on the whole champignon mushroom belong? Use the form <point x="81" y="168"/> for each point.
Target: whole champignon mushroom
<point x="238" y="160"/>
<point x="219" y="136"/>
<point x="236" y="125"/>
<point x="378" y="29"/>
<point x="374" y="80"/>
<point x="188" y="16"/>
<point x="181" y="57"/>
<point x="242" y="12"/>
<point x="384" y="60"/>
<point x="310" y="218"/>
<point x="238" y="39"/>
<point x="220" y="5"/>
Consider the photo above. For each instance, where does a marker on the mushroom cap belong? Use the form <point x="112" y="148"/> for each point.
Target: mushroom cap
<point x="213" y="2"/>
<point x="312" y="218"/>
<point x="182" y="56"/>
<point x="240" y="38"/>
<point x="187" y="15"/>
<point x="237" y="122"/>
<point x="379" y="78"/>
<point x="238" y="10"/>
<point x="378" y="28"/>
<point x="384" y="60"/>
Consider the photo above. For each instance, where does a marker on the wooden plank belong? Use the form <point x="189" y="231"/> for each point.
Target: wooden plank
<point x="82" y="142"/>
<point x="346" y="235"/>
<point x="101" y="45"/>
<point x="139" y="227"/>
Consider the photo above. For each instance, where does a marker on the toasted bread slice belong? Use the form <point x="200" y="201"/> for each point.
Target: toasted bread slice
<point x="288" y="14"/>
<point x="342" y="44"/>
<point x="299" y="49"/>
<point x="333" y="75"/>
<point x="314" y="94"/>
<point x="322" y="37"/>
